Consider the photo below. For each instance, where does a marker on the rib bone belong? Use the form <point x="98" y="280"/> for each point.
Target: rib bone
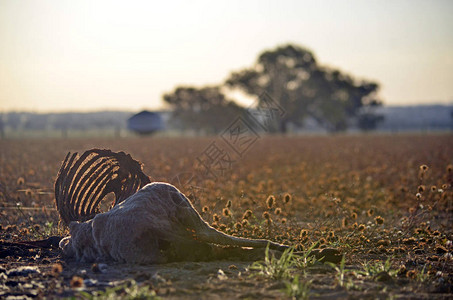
<point x="83" y="182"/>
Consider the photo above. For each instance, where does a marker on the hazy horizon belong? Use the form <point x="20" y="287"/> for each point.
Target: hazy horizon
<point x="134" y="111"/>
<point x="62" y="56"/>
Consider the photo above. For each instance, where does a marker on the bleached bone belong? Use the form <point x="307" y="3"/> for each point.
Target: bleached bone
<point x="153" y="225"/>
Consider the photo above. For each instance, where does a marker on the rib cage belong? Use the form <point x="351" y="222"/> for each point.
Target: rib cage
<point x="83" y="182"/>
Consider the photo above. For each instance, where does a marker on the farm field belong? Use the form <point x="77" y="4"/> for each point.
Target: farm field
<point x="385" y="202"/>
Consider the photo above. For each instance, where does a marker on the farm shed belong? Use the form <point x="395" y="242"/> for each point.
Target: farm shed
<point x="145" y="122"/>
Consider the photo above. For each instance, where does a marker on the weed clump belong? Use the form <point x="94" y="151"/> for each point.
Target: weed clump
<point x="270" y="201"/>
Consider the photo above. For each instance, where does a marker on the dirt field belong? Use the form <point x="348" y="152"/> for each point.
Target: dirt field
<point x="385" y="202"/>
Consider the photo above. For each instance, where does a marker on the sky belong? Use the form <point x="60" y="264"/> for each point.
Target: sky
<point x="59" y="55"/>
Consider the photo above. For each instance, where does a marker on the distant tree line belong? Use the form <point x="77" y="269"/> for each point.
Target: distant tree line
<point x="63" y="121"/>
<point x="295" y="80"/>
<point x="397" y="119"/>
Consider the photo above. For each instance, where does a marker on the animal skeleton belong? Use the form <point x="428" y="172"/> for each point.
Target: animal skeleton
<point x="149" y="222"/>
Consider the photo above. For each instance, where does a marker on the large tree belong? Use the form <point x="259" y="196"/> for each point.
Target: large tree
<point x="204" y="108"/>
<point x="292" y="77"/>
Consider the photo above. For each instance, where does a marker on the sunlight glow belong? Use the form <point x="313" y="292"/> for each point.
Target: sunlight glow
<point x="124" y="55"/>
